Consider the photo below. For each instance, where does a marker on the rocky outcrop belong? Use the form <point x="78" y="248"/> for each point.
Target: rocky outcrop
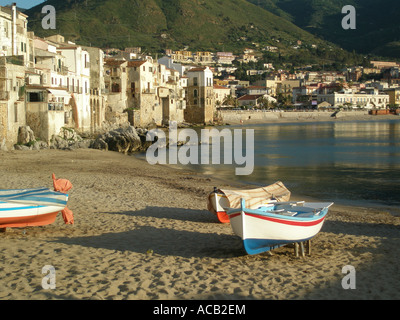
<point x="27" y="140"/>
<point x="69" y="139"/>
<point x="25" y="135"/>
<point x="123" y="140"/>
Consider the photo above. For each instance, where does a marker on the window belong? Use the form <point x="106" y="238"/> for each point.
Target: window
<point x="35" y="97"/>
<point x="115" y="87"/>
<point x="195" y="93"/>
<point x="195" y="81"/>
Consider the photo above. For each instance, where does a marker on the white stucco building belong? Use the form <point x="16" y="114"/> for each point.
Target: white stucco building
<point x="361" y="99"/>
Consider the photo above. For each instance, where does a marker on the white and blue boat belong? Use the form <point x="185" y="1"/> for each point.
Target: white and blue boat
<point x="30" y="207"/>
<point x="277" y="224"/>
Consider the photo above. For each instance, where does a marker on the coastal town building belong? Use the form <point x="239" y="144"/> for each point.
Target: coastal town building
<point x="200" y="96"/>
<point x="98" y="99"/>
<point x="394" y="96"/>
<point x="224" y="58"/>
<point x="220" y="94"/>
<point x="169" y="63"/>
<point x="203" y="57"/>
<point x="364" y="99"/>
<point x="12" y="99"/>
<point x="47" y="98"/>
<point x="77" y="60"/>
<point x="255" y="100"/>
<point x="15" y="40"/>
<point x="115" y="89"/>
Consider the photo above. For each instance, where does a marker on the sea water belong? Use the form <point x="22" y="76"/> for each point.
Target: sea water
<point x="348" y="162"/>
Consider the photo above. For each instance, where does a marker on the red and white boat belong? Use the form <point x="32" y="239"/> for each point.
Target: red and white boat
<point x="277" y="224"/>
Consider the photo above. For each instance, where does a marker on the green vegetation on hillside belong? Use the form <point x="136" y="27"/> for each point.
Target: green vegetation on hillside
<point x="377" y="22"/>
<point x="214" y="25"/>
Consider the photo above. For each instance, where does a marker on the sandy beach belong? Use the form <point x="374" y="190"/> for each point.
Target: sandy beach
<point x="142" y="232"/>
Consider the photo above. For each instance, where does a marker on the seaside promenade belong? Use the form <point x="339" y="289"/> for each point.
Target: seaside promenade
<point x="260" y="116"/>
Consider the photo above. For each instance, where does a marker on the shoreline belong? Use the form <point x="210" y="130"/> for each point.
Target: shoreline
<point x="143" y="232"/>
<point x="358" y="205"/>
<point x="242" y="118"/>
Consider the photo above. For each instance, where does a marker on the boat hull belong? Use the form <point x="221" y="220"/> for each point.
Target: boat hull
<point x="30" y="207"/>
<point x="263" y="232"/>
<point x="29" y="221"/>
<point x="220" y="199"/>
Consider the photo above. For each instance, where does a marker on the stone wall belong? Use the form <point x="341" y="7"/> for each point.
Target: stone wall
<point x="235" y="116"/>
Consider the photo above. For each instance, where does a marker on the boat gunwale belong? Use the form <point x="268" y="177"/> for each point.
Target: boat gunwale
<point x="276" y="216"/>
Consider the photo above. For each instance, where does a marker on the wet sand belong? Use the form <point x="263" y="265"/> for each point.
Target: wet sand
<point x="143" y="232"/>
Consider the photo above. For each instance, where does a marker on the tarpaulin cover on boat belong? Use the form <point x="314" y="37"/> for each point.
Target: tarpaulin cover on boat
<point x="253" y="197"/>
<point x="63" y="185"/>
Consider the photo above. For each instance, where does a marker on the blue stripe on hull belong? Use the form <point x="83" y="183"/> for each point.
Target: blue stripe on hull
<point x="256" y="246"/>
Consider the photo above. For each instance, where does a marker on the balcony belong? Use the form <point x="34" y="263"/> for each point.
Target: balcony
<point x="63" y="70"/>
<point x="54" y="106"/>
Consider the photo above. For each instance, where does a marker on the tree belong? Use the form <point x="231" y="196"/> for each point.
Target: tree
<point x="230" y="101"/>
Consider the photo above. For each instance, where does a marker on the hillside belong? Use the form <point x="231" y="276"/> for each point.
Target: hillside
<point x="377" y="22"/>
<point x="158" y="24"/>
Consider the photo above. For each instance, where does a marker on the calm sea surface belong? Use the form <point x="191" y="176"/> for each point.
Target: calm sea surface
<point x="345" y="162"/>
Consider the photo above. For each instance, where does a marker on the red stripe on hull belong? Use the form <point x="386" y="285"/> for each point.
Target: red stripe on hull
<point x="30" y="221"/>
<point x="288" y="222"/>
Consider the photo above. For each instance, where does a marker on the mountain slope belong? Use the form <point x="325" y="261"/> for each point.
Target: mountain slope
<point x="377" y="22"/>
<point x="159" y="24"/>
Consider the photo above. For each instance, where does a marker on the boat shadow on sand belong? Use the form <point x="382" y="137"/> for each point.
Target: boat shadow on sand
<point x="202" y="236"/>
<point x="174" y="213"/>
<point x="163" y="239"/>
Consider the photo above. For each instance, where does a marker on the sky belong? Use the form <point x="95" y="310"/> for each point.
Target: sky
<point x="24" y="4"/>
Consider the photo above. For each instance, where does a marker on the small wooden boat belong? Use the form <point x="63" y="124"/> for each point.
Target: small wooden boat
<point x="220" y="199"/>
<point x="34" y="207"/>
<point x="277" y="224"/>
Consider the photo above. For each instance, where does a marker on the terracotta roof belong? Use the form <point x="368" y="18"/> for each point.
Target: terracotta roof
<point x="197" y="69"/>
<point x="113" y="62"/>
<point x="220" y="87"/>
<point x="135" y="63"/>
<point x="250" y="97"/>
